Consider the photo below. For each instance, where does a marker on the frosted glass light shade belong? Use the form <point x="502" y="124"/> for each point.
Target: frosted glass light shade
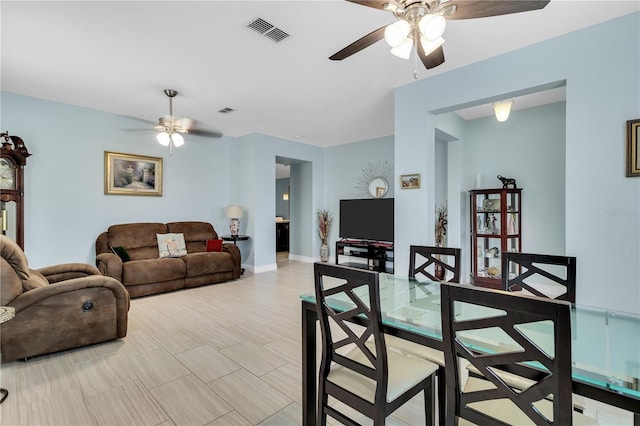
<point x="502" y="110"/>
<point x="163" y="138"/>
<point x="404" y="50"/>
<point x="395" y="34"/>
<point x="177" y="139"/>
<point x="234" y="212"/>
<point x="432" y="26"/>
<point x="430" y="45"/>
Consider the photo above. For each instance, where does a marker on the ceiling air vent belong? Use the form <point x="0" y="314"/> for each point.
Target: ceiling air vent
<point x="267" y="30"/>
<point x="226" y="110"/>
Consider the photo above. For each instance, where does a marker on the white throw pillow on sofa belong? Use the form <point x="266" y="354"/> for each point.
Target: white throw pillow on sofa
<point x="171" y="245"/>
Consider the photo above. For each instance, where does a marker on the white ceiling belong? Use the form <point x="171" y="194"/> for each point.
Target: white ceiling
<point x="118" y="56"/>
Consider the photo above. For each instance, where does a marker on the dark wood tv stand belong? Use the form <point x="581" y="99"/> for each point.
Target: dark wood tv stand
<point x="378" y="256"/>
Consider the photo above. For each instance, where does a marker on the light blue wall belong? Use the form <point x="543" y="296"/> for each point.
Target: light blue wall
<point x="66" y="208"/>
<point x="603" y="91"/>
<point x="256" y="191"/>
<point x="65" y="205"/>
<point x="344" y="167"/>
<point x="529" y="147"/>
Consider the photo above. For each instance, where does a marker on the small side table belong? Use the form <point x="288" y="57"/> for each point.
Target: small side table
<point x="235" y="239"/>
<point x="6" y="313"/>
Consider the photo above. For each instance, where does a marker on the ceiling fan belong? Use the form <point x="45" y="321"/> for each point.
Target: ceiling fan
<point x="170" y="128"/>
<point x="421" y="23"/>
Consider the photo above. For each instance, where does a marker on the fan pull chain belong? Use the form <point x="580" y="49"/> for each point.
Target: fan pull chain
<point x="415" y="64"/>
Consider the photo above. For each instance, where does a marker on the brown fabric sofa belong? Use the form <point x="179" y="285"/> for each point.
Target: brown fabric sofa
<point x="57" y="307"/>
<point x="146" y="273"/>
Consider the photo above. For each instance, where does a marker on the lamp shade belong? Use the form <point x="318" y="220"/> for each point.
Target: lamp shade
<point x="404" y="50"/>
<point x="234" y="211"/>
<point x="432" y="26"/>
<point x="163" y="138"/>
<point x="177" y="139"/>
<point x="502" y="110"/>
<point x="397" y="32"/>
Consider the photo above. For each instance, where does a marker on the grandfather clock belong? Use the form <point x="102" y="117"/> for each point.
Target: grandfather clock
<point x="12" y="162"/>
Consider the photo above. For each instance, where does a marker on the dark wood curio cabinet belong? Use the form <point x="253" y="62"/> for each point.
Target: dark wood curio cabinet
<point x="496" y="221"/>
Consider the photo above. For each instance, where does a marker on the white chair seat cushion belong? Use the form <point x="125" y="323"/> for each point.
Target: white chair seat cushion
<point x="405" y="371"/>
<point x="521" y="383"/>
<point x="506" y="411"/>
<point x="408" y="347"/>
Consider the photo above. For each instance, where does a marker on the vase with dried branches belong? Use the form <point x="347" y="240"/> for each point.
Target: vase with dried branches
<point x="440" y="237"/>
<point x="324" y="224"/>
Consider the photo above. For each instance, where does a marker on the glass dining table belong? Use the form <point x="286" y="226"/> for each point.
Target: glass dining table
<point x="605" y="344"/>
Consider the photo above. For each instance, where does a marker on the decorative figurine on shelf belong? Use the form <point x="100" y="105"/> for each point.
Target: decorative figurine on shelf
<point x="491" y="224"/>
<point x="507" y="181"/>
<point x="492" y="271"/>
<point x="511" y="224"/>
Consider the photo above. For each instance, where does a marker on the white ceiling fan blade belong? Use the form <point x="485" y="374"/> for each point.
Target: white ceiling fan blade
<point x="184" y="123"/>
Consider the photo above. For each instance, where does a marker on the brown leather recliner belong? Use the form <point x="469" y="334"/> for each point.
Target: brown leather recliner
<point x="57" y="307"/>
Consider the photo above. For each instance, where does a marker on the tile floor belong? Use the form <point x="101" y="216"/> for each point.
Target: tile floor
<point x="224" y="354"/>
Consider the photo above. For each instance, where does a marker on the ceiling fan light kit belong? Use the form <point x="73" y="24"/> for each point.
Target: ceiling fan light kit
<point x="404" y="33"/>
<point x="171" y="129"/>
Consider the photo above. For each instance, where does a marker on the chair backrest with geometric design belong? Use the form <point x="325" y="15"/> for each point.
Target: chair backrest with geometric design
<point x="435" y="263"/>
<point x="541" y="275"/>
<point x="359" y="295"/>
<point x="530" y="330"/>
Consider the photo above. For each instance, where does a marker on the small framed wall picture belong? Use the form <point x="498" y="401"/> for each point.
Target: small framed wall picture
<point x="633" y="150"/>
<point x="410" y="181"/>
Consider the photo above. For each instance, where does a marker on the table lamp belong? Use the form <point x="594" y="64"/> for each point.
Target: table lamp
<point x="234" y="212"/>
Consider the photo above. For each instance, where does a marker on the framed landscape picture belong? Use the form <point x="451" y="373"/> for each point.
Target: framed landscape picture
<point x="410" y="181"/>
<point x="633" y="151"/>
<point x="130" y="174"/>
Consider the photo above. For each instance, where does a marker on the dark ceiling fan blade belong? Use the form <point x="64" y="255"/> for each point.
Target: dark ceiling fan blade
<point x="376" y="4"/>
<point x="468" y="9"/>
<point x="205" y="133"/>
<point x="433" y="59"/>
<point x="359" y="44"/>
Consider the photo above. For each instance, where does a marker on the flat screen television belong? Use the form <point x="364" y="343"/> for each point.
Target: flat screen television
<point x="367" y="219"/>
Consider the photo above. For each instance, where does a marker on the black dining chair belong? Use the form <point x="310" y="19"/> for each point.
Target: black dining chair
<point x="494" y="331"/>
<point x="541" y="275"/>
<point x="427" y="261"/>
<point x="356" y="366"/>
<point x="435" y="263"/>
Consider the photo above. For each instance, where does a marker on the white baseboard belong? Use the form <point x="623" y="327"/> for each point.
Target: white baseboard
<point x="264" y="268"/>
<point x="306" y="259"/>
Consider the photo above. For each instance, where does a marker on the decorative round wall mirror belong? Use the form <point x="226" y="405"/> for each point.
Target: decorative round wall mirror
<point x="376" y="180"/>
<point x="378" y="187"/>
